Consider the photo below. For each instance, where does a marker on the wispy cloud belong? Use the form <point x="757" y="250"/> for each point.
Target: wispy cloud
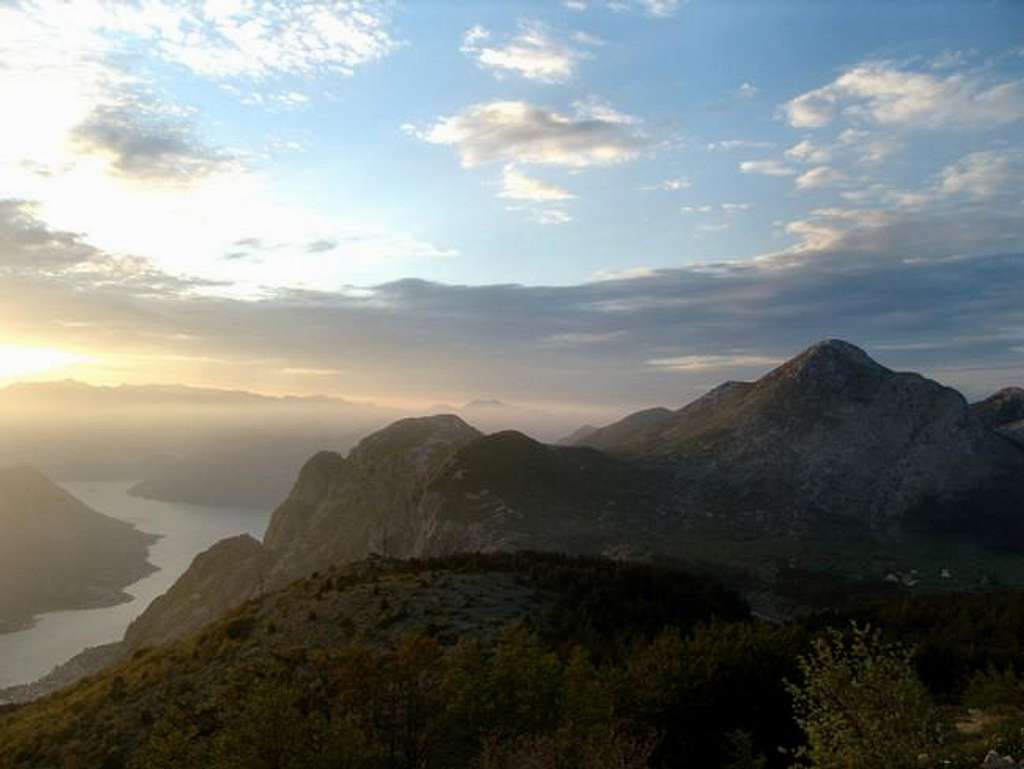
<point x="533" y="53"/>
<point x="518" y="186"/>
<point x="655" y="8"/>
<point x="553" y="216"/>
<point x="818" y="177"/>
<point x="766" y="168"/>
<point x="715" y="362"/>
<point x="737" y="144"/>
<point x="671" y="185"/>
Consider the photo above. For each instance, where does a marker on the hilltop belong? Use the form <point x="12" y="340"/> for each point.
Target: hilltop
<point x="56" y="553"/>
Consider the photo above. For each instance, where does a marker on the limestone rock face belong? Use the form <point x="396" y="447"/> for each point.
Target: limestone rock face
<point x="344" y="509"/>
<point x="219" y="579"/>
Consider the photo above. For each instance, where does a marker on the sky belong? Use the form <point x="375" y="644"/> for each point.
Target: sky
<point x="607" y="203"/>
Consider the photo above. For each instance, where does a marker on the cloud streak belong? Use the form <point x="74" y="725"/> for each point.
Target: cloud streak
<point x="894" y="284"/>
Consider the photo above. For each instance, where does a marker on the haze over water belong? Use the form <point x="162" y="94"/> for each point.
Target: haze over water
<point x="186" y="530"/>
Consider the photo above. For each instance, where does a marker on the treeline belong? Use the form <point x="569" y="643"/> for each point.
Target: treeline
<point x="712" y="698"/>
<point x="631" y="666"/>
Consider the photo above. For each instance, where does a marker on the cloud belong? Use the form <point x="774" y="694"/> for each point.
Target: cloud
<point x="265" y="38"/>
<point x="656" y="8"/>
<point x="219" y="39"/>
<point x="991" y="177"/>
<point x="982" y="175"/>
<point x="321" y="246"/>
<point x="585" y="38"/>
<point x="28" y="244"/>
<point x="818" y="177"/>
<point x="518" y="186"/>
<point x="736" y="144"/>
<point x="883" y="93"/>
<point x="671" y="185"/>
<point x="922" y="232"/>
<point x="553" y="216"/>
<point x="143" y="142"/>
<point x="746" y="91"/>
<point x="807" y="151"/>
<point x="715" y="362"/>
<point x="29" y="248"/>
<point x="520" y="132"/>
<point x="712" y="228"/>
<point x="725" y="208"/>
<point x="766" y="168"/>
<point x="895" y="282"/>
<point x="533" y="54"/>
<point x="874" y="147"/>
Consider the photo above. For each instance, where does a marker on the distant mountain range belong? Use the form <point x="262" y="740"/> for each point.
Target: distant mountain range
<point x="186" y="444"/>
<point x="202" y="445"/>
<point x="56" y="553"/>
<point x="70" y="391"/>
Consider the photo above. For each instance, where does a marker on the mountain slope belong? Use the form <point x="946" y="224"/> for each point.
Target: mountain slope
<point x="57" y="553"/>
<point x="830" y="437"/>
<point x="1004" y="412"/>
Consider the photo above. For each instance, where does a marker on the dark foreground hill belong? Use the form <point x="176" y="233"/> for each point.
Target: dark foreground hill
<point x="398" y="641"/>
<point x="57" y="553"/>
<point x="515" y="661"/>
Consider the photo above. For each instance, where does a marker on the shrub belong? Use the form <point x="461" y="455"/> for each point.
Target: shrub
<point x="861" y="705"/>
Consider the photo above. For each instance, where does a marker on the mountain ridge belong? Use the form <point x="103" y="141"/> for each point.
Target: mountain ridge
<point x="830" y="462"/>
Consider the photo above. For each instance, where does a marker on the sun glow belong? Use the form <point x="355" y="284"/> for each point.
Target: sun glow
<point x="18" y="362"/>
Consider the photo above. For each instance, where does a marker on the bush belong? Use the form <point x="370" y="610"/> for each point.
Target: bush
<point x="861" y="705"/>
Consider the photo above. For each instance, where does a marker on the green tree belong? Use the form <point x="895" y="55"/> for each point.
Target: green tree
<point x="861" y="705"/>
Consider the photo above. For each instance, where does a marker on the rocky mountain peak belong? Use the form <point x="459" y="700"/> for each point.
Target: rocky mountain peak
<point x="419" y="443"/>
<point x="444" y="428"/>
<point x="316" y="475"/>
<point x="831" y="360"/>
